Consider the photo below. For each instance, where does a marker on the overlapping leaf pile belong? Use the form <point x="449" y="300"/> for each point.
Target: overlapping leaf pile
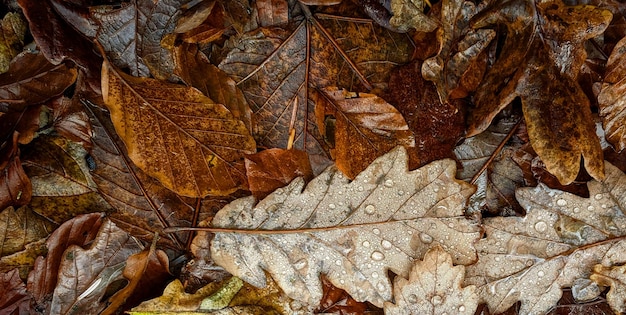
<point x="287" y="157"/>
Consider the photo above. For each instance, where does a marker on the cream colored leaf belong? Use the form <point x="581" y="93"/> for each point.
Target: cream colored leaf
<point x="434" y="287"/>
<point x="615" y="277"/>
<point x="560" y="239"/>
<point x="352" y="231"/>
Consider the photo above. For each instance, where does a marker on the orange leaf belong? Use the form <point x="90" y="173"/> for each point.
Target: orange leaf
<point x="275" y="168"/>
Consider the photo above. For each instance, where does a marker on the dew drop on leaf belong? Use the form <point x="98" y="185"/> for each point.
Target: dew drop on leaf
<point x="388" y="183"/>
<point x="426" y="239"/>
<point x="376" y="231"/>
<point x="561" y="202"/>
<point x="378" y="256"/>
<point x="437" y="300"/>
<point x="461" y="309"/>
<point x="300" y="264"/>
<point x="365" y="244"/>
<point x="370" y="209"/>
<point x="541" y="226"/>
<point x="598" y="196"/>
<point x="386" y="244"/>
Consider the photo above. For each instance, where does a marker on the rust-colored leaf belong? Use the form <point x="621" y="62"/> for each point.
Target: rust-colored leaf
<point x="272" y="12"/>
<point x="15" y="187"/>
<point x="71" y="122"/>
<point x="556" y="109"/>
<point x="366" y="127"/>
<point x="19" y="227"/>
<point x="275" y="168"/>
<point x="338" y="301"/>
<point x="15" y="299"/>
<point x="175" y="134"/>
<point x="31" y="79"/>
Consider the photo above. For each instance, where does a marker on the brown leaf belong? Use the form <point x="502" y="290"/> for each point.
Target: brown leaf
<point x="409" y="14"/>
<point x="42" y="280"/>
<point x="437" y="127"/>
<point x="274" y="168"/>
<point x="338" y="301"/>
<point x="193" y="67"/>
<point x="15" y="299"/>
<point x="15" y="187"/>
<point x="19" y="227"/>
<point x="31" y="80"/>
<point x="177" y="135"/>
<point x="25" y="122"/>
<point x="71" y="122"/>
<point x="13" y="28"/>
<point x="556" y="110"/>
<point x="611" y="98"/>
<point x="143" y="206"/>
<point x="143" y="270"/>
<point x="366" y="127"/>
<point x="272" y="12"/>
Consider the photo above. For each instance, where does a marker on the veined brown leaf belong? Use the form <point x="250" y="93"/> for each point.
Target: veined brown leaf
<point x="351" y="231"/>
<point x="177" y="135"/>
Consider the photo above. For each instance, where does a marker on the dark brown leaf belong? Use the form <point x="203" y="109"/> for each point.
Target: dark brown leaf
<point x="338" y="301"/>
<point x="15" y="299"/>
<point x="15" y="187"/>
<point x="71" y="122"/>
<point x="13" y="29"/>
<point x="25" y="122"/>
<point x="275" y="168"/>
<point x="272" y="12"/>
<point x="31" y="80"/>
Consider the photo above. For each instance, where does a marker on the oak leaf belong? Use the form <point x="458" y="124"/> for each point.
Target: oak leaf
<point x="561" y="238"/>
<point x="614" y="277"/>
<point x="548" y="39"/>
<point x="344" y="229"/>
<point x="433" y="287"/>
<point x="177" y="135"/>
<point x="612" y="100"/>
<point x="366" y="127"/>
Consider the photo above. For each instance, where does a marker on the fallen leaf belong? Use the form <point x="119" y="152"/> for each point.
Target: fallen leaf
<point x="15" y="298"/>
<point x="611" y="98"/>
<point x="272" y="12"/>
<point x="408" y="14"/>
<point x="31" y="80"/>
<point x="614" y="277"/>
<point x="71" y="122"/>
<point x="15" y="186"/>
<point x="131" y="36"/>
<point x="530" y="259"/>
<point x="338" y="301"/>
<point x="433" y="287"/>
<point x="366" y="127"/>
<point x="437" y="126"/>
<point x="338" y="227"/>
<point x="85" y="274"/>
<point x="556" y="110"/>
<point x="42" y="280"/>
<point x="13" y="30"/>
<point x="193" y="67"/>
<point x="460" y="51"/>
<point x="274" y="168"/>
<point x="177" y="135"/>
<point x="25" y="122"/>
<point x="19" y="227"/>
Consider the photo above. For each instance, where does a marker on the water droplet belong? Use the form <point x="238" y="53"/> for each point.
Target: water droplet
<point x="590" y="208"/>
<point x="388" y="183"/>
<point x="300" y="264"/>
<point x="498" y="258"/>
<point x="412" y="298"/>
<point x="386" y="244"/>
<point x="338" y="262"/>
<point x="341" y="281"/>
<point x="437" y="300"/>
<point x="381" y="287"/>
<point x="576" y="210"/>
<point x="366" y="244"/>
<point x="370" y="209"/>
<point x="400" y="192"/>
<point x="377" y="256"/>
<point x="561" y="202"/>
<point x="295" y="305"/>
<point x="360" y="188"/>
<point x="376" y="231"/>
<point x="529" y="262"/>
<point x="332" y="206"/>
<point x="461" y="309"/>
<point x="541" y="226"/>
<point x="598" y="196"/>
<point x="425" y="238"/>
<point x="540" y="274"/>
<point x="374" y="275"/>
<point x="433" y="226"/>
<point x="450" y="225"/>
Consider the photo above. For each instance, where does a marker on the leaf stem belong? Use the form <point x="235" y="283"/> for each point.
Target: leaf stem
<point x="497" y="150"/>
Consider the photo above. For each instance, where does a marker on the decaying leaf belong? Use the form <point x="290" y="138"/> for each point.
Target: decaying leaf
<point x="19" y="227"/>
<point x="433" y="287"/>
<point x="71" y="122"/>
<point x="31" y="79"/>
<point x="13" y="29"/>
<point x="85" y="274"/>
<point x="460" y="51"/>
<point x="560" y="239"/>
<point x="614" y="277"/>
<point x="612" y="99"/>
<point x="14" y="299"/>
<point x="556" y="110"/>
<point x="177" y="135"/>
<point x="344" y="229"/>
<point x="275" y="168"/>
<point x="15" y="186"/>
<point x="409" y="14"/>
<point x="365" y="128"/>
<point x="272" y="12"/>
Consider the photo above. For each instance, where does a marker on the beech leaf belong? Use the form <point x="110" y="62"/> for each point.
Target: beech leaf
<point x="433" y="287"/>
<point x="344" y="229"/>
<point x="177" y="135"/>
<point x="561" y="238"/>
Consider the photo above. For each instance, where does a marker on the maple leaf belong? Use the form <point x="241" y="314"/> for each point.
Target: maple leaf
<point x="176" y="134"/>
<point x="433" y="287"/>
<point x="340" y="228"/>
<point x="548" y="38"/>
<point x="560" y="239"/>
